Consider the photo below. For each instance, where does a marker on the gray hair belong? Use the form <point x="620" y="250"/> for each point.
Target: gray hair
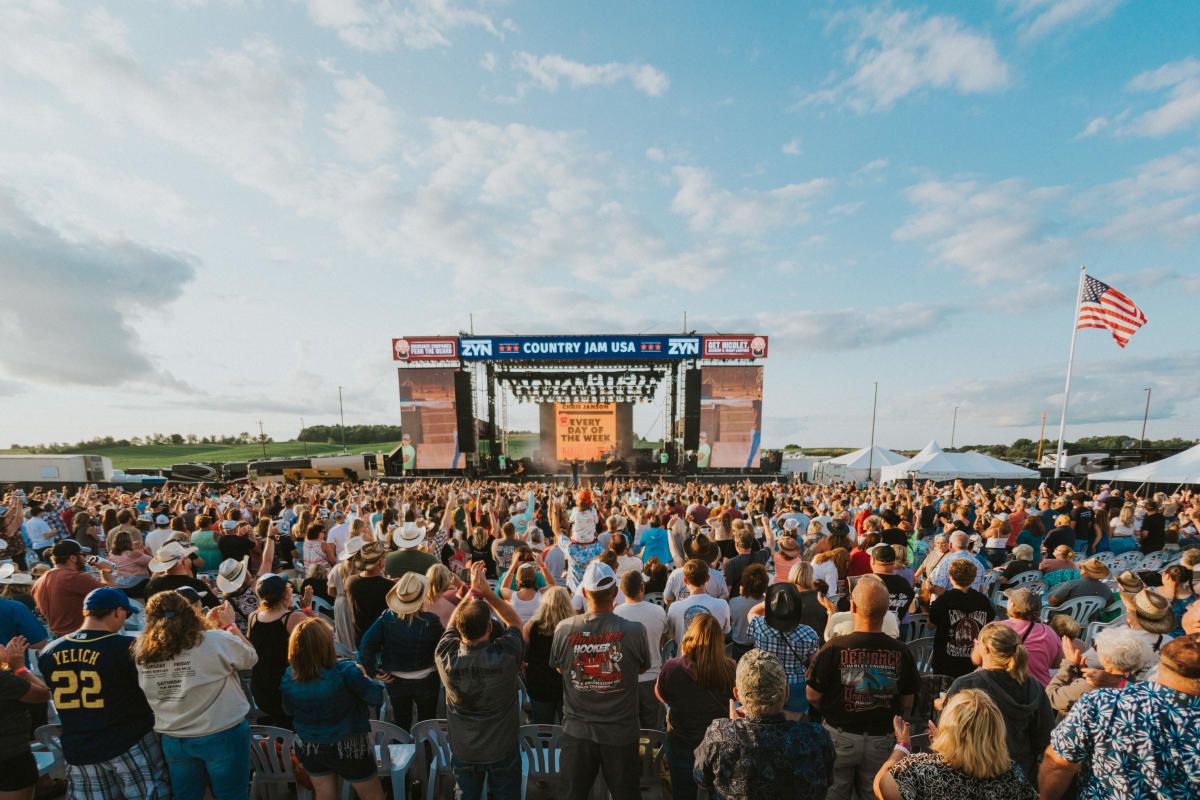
<point x="1124" y="649"/>
<point x="761" y="683"/>
<point x="1023" y="552"/>
<point x="959" y="539"/>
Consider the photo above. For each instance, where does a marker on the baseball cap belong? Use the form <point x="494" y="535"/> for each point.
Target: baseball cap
<point x="162" y="519"/>
<point x="270" y="588"/>
<point x="229" y="524"/>
<point x="598" y="576"/>
<point x="883" y="553"/>
<point x="65" y="549"/>
<point x="107" y="598"/>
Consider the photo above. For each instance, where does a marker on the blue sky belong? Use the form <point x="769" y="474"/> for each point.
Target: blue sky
<point x="216" y="212"/>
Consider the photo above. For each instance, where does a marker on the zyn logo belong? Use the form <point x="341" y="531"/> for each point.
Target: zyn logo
<point x="476" y="348"/>
<point x="683" y="347"/>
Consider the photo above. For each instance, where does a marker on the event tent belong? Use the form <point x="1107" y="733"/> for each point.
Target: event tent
<point x="1178" y="469"/>
<point x="935" y="464"/>
<point x="861" y="465"/>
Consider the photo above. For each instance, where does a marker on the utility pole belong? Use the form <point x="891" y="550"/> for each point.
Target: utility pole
<point x="262" y="438"/>
<point x="954" y="427"/>
<point x="342" y="412"/>
<point x="302" y="439"/>
<point x="871" y="451"/>
<point x="1041" y="439"/>
<point x="1146" y="417"/>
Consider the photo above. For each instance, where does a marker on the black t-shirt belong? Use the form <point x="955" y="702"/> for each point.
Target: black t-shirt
<point x="894" y="536"/>
<point x="1057" y="536"/>
<point x="1153" y="533"/>
<point x="1082" y="518"/>
<point x="901" y="592"/>
<point x="690" y="707"/>
<point x="959" y="617"/>
<point x="95" y="687"/>
<point x="737" y="565"/>
<point x="235" y="547"/>
<point x="861" y="678"/>
<point x="928" y="517"/>
<point x="285" y="550"/>
<point x="368" y="599"/>
<point x="168" y="583"/>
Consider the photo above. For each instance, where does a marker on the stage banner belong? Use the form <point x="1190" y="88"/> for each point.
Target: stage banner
<point x="425" y="348"/>
<point x="745" y="345"/>
<point x="579" y="348"/>
<point x="730" y="417"/>
<point x="584" y="431"/>
<point x="428" y="419"/>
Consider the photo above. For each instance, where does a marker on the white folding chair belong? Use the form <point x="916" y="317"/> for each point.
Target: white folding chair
<point x="1081" y="609"/>
<point x="271" y="761"/>
<point x="48" y="751"/>
<point x="394" y="753"/>
<point x="432" y="737"/>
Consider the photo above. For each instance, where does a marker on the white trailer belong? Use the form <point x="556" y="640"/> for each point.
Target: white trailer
<point x="50" y="469"/>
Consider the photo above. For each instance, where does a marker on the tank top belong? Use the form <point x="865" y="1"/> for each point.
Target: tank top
<point x="270" y="639"/>
<point x="526" y="608"/>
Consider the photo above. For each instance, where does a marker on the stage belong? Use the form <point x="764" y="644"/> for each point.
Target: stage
<point x="720" y="479"/>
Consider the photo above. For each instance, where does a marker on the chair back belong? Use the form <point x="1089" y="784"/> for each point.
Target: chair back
<point x="322" y="606"/>
<point x="50" y="737"/>
<point x="916" y="626"/>
<point x="1127" y="561"/>
<point x="1152" y="562"/>
<point x="656" y="598"/>
<point x="922" y="650"/>
<point x="432" y="737"/>
<point x="1093" y="628"/>
<point x="1022" y="578"/>
<point x="543" y="759"/>
<point x="1080" y="609"/>
<point x="271" y="754"/>
<point x="1107" y="558"/>
<point x="387" y="733"/>
<point x="652" y="750"/>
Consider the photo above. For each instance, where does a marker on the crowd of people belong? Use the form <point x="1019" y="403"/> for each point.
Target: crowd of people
<point x="792" y="640"/>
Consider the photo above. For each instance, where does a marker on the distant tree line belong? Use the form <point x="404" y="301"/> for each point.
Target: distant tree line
<point x="355" y="434"/>
<point x="1028" y="448"/>
<point x="150" y="440"/>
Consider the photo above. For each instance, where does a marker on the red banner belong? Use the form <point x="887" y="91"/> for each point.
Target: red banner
<point x="425" y="348"/>
<point x="739" y="346"/>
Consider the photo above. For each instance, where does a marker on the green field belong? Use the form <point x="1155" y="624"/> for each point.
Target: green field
<point x="164" y="455"/>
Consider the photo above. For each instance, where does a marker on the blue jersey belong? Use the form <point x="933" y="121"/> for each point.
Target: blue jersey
<point x="94" y="685"/>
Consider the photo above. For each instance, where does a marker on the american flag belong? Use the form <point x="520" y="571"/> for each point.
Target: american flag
<point x="1102" y="306"/>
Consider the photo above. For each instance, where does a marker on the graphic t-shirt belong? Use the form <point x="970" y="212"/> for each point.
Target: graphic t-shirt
<point x="901" y="593"/>
<point x="959" y="617"/>
<point x="94" y="684"/>
<point x="682" y="612"/>
<point x="861" y="678"/>
<point x="600" y="657"/>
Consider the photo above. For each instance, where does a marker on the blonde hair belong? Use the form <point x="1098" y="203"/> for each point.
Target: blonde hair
<point x="1004" y="646"/>
<point x="801" y="575"/>
<point x="1126" y="514"/>
<point x="1064" y="553"/>
<point x="970" y="735"/>
<point x="440" y="580"/>
<point x="704" y="646"/>
<point x="554" y="608"/>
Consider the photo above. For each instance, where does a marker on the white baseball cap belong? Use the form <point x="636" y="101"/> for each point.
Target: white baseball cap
<point x="598" y="576"/>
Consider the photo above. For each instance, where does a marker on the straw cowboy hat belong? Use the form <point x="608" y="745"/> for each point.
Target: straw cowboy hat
<point x="9" y="575"/>
<point x="409" y="536"/>
<point x="169" y="555"/>
<point x="408" y="594"/>
<point x="1153" y="612"/>
<point x="1094" y="568"/>
<point x="368" y="554"/>
<point x="351" y="548"/>
<point x="231" y="575"/>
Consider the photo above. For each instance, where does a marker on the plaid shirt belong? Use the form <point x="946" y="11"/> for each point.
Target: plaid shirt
<point x="793" y="649"/>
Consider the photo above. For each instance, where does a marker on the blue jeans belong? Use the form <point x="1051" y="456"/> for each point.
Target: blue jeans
<point x="222" y="759"/>
<point x="1123" y="544"/>
<point x="502" y="777"/>
<point x="681" y="761"/>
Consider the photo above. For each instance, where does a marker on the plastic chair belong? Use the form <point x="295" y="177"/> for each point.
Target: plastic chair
<point x="524" y="704"/>
<point x="541" y="764"/>
<point x="394" y="753"/>
<point x="669" y="650"/>
<point x="916" y="626"/>
<point x="432" y="737"/>
<point x="1152" y="562"/>
<point x="922" y="650"/>
<point x="1023" y="578"/>
<point x="1107" y="558"/>
<point x="1128" y="561"/>
<point x="271" y="761"/>
<point x="1081" y="609"/>
<point x="49" y="742"/>
<point x="1093" y="628"/>
<point x="322" y="607"/>
<point x="652" y="749"/>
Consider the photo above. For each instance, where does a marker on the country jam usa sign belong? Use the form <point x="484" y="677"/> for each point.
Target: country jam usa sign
<point x="578" y="348"/>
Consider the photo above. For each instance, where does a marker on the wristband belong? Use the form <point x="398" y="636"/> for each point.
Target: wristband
<point x="903" y="748"/>
<point x="306" y="610"/>
<point x="22" y="672"/>
<point x="231" y="627"/>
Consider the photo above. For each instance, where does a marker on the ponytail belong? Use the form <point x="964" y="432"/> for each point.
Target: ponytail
<point x="1006" y="649"/>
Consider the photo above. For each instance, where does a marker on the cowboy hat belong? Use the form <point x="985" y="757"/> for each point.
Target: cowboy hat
<point x="783" y="604"/>
<point x="408" y="594"/>
<point x="231" y="575"/>
<point x="1129" y="583"/>
<point x="368" y="554"/>
<point x="1153" y="612"/>
<point x="1094" y="568"/>
<point x="701" y="547"/>
<point x="9" y="575"/>
<point x="351" y="548"/>
<point x="169" y="555"/>
<point x="409" y="536"/>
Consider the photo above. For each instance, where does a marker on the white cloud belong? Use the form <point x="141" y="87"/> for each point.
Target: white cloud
<point x="1160" y="199"/>
<point x="655" y="154"/>
<point x="76" y="293"/>
<point x="989" y="232"/>
<point x="1041" y="17"/>
<point x="362" y="123"/>
<point x="488" y="62"/>
<point x="547" y="71"/>
<point x="1181" y="109"/>
<point x="747" y="212"/>
<point x="1093" y="127"/>
<point x="854" y="329"/>
<point x="792" y="147"/>
<point x="897" y="53"/>
<point x="381" y="25"/>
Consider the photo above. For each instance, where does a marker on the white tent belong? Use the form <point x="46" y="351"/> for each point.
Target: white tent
<point x="861" y="465"/>
<point x="799" y="464"/>
<point x="935" y="464"/>
<point x="1178" y="469"/>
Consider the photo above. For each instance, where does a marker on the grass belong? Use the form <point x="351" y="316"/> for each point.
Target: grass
<point x="164" y="455"/>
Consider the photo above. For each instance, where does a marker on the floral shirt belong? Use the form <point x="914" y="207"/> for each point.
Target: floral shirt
<point x="765" y="758"/>
<point x="1142" y="741"/>
<point x="926" y="776"/>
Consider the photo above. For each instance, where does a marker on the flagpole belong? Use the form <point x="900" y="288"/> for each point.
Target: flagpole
<point x="1062" y="423"/>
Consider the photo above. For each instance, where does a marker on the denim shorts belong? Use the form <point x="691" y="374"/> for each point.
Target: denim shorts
<point x="322" y="760"/>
